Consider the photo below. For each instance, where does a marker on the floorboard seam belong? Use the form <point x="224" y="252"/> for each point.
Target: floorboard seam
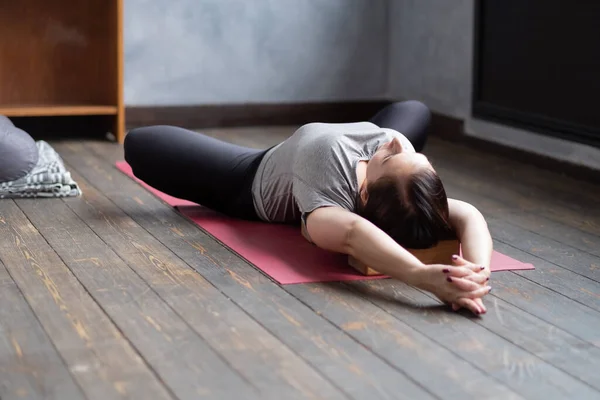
<point x="64" y="362"/>
<point x="115" y="325"/>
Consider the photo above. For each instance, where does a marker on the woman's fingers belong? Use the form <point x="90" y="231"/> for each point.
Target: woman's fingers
<point x="477" y="278"/>
<point x="466" y="276"/>
<point x="459" y="287"/>
<point x="458" y="272"/>
<point x="464" y="284"/>
<point x="482" y="307"/>
<point x="458" y="260"/>
<point x="478" y="293"/>
<point x="461" y="262"/>
<point x="475" y="305"/>
<point x="470" y="305"/>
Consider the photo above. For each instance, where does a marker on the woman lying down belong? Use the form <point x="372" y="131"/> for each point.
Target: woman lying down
<point x="361" y="189"/>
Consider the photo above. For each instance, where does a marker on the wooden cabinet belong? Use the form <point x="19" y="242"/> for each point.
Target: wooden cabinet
<point x="62" y="58"/>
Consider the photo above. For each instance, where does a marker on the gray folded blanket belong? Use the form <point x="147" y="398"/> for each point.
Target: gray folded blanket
<point x="49" y="178"/>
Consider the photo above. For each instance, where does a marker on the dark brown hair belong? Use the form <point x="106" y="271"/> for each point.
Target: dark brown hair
<point x="414" y="212"/>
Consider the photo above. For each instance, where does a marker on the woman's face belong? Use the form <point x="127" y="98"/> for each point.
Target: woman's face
<point x="391" y="159"/>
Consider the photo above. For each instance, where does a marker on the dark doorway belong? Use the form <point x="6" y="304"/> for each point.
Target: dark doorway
<point x="537" y="66"/>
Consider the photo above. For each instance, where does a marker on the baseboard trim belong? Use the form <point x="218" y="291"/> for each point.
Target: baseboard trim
<point x="451" y="128"/>
<point x="566" y="168"/>
<point x="211" y="116"/>
<point x="447" y="127"/>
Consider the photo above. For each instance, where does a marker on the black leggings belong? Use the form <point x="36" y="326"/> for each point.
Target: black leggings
<point x="219" y="175"/>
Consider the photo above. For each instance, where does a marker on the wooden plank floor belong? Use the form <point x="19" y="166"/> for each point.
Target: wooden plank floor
<point x="115" y="295"/>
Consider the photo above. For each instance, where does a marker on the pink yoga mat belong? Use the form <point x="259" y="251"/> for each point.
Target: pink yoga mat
<point x="280" y="251"/>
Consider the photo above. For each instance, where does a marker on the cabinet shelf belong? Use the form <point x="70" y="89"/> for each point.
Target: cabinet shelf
<point x="56" y="110"/>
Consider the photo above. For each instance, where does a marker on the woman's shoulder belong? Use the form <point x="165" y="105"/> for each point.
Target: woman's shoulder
<point x="338" y="127"/>
<point x="327" y="134"/>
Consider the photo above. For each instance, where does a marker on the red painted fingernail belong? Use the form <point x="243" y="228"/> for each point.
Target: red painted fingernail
<point x="482" y="267"/>
<point x="449" y="279"/>
<point x="454" y="257"/>
<point x="487" y="279"/>
<point x="445" y="270"/>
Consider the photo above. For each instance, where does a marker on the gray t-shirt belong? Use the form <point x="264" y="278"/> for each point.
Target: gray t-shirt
<point x="316" y="167"/>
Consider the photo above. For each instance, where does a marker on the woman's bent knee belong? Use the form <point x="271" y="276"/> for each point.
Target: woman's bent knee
<point x="136" y="145"/>
<point x="135" y="137"/>
<point x="130" y="144"/>
<point x="421" y="108"/>
<point x="413" y="107"/>
<point x="138" y="140"/>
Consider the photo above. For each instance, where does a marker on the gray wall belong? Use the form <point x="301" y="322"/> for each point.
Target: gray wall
<point x="431" y="53"/>
<point x="238" y="51"/>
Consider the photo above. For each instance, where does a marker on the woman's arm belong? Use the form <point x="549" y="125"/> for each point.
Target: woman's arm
<point x="335" y="229"/>
<point x="473" y="233"/>
<point x="339" y="230"/>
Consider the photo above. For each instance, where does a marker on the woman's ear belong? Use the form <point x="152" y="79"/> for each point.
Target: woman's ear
<point x="396" y="145"/>
<point x="364" y="195"/>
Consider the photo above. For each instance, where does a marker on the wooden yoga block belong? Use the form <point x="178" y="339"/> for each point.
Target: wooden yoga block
<point x="439" y="254"/>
